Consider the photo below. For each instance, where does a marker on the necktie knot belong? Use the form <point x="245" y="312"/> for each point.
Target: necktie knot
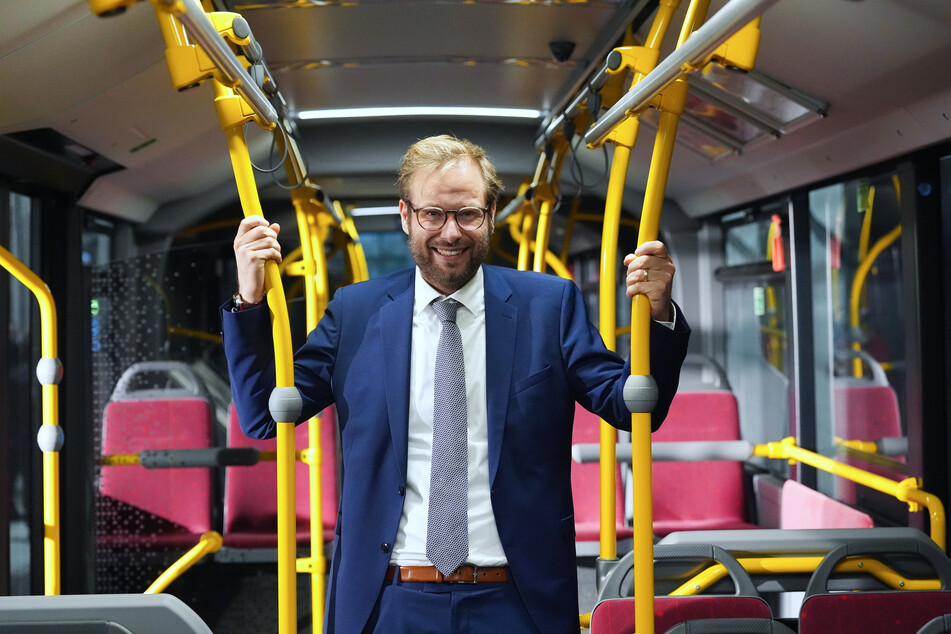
<point x="446" y="309"/>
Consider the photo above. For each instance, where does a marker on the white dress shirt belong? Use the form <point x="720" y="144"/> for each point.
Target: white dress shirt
<point x="485" y="547"/>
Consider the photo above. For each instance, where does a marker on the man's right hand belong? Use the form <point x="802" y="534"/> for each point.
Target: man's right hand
<point x="255" y="244"/>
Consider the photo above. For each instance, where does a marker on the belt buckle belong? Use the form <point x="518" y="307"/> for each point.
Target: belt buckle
<point x="475" y="576"/>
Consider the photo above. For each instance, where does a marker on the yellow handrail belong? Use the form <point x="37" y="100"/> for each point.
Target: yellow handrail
<point x="316" y="293"/>
<point x="803" y="564"/>
<point x="230" y="113"/>
<point x="209" y="543"/>
<point x="551" y="260"/>
<point x="672" y="106"/>
<point x="907" y="490"/>
<point x="858" y="283"/>
<point x="49" y="371"/>
<point x="639" y="61"/>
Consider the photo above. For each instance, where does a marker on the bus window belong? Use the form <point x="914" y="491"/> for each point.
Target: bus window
<point x="858" y="331"/>
<point x="755" y="301"/>
<point x="18" y="424"/>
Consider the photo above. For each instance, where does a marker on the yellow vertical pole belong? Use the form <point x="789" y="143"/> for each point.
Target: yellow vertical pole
<point x="355" y="255"/>
<point x="607" y="324"/>
<point x="315" y="289"/>
<point x="541" y="235"/>
<point x="50" y="436"/>
<point x="671" y="107"/>
<point x="226" y="102"/>
<point x="524" y="247"/>
<point x="624" y="137"/>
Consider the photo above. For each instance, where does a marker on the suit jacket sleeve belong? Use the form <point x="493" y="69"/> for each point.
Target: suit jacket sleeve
<point x="598" y="375"/>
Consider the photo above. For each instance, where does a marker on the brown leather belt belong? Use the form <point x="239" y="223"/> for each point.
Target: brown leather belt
<point x="463" y="574"/>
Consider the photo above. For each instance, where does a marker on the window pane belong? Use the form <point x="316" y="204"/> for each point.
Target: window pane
<point x="755" y="299"/>
<point x="858" y="330"/>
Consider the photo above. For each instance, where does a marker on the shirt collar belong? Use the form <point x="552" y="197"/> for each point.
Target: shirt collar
<point x="471" y="295"/>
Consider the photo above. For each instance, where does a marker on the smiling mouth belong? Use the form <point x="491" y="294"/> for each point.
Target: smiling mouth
<point x="447" y="252"/>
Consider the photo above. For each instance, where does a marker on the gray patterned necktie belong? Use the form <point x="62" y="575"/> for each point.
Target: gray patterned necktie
<point x="447" y="535"/>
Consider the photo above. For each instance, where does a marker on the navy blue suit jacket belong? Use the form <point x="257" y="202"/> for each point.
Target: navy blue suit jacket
<point x="542" y="355"/>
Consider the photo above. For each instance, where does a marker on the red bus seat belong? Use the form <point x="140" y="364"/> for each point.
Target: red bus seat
<point x="892" y="611"/>
<point x="865" y="409"/>
<point x="707" y="495"/>
<point x="803" y="507"/>
<point x="898" y="612"/>
<point x="617" y="616"/>
<point x="586" y="487"/>
<point x="250" y="507"/>
<point x="176" y="503"/>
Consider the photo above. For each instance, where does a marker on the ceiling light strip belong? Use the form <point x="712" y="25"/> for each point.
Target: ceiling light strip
<point x="419" y="111"/>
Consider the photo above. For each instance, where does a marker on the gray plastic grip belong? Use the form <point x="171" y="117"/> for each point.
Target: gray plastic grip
<point x="640" y="393"/>
<point x="49" y="370"/>
<point x="285" y="404"/>
<point x="50" y="438"/>
<point x="207" y="457"/>
<point x="893" y="446"/>
<point x="688" y="451"/>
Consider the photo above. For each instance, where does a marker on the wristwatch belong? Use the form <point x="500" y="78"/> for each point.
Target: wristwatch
<point x="238" y="304"/>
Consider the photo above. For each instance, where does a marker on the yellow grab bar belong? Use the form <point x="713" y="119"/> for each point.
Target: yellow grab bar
<point x="624" y="139"/>
<point x="805" y="564"/>
<point x="50" y="437"/>
<point x="907" y="490"/>
<point x="284" y="392"/>
<point x="209" y="543"/>
<point x="858" y="283"/>
<point x="316" y="293"/>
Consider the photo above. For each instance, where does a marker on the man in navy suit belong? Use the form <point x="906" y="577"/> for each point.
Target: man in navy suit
<point x="530" y="353"/>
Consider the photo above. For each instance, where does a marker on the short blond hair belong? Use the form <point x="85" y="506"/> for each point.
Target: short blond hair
<point x="439" y="151"/>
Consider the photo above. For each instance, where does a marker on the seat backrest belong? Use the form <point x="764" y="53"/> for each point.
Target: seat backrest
<point x="703" y="495"/>
<point x="174" y="417"/>
<point x="617" y="616"/>
<point x="864" y="411"/>
<point x="250" y="510"/>
<point x="803" y="507"/>
<point x="586" y="483"/>
<point x="898" y="612"/>
<point x="937" y="625"/>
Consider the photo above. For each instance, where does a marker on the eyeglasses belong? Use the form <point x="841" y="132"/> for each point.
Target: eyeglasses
<point x="434" y="218"/>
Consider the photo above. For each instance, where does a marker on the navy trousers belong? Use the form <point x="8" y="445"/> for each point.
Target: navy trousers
<point x="450" y="608"/>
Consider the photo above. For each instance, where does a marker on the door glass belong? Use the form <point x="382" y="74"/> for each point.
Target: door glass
<point x="859" y="334"/>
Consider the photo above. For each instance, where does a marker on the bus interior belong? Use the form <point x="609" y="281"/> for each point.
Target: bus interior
<point x="793" y="156"/>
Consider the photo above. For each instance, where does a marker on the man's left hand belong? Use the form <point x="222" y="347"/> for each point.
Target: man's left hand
<point x="650" y="272"/>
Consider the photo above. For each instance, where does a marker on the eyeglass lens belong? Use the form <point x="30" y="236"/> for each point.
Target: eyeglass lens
<point x="433" y="218"/>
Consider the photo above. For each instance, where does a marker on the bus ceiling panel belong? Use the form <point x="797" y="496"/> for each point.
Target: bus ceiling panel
<point x="189" y="174"/>
<point x="365" y="148"/>
<point x="496" y="82"/>
<point x="63" y="57"/>
<point x="352" y="31"/>
<point x="853" y="136"/>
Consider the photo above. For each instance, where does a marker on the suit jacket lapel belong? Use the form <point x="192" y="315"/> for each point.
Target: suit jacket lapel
<point x="396" y="329"/>
<point x="500" y="322"/>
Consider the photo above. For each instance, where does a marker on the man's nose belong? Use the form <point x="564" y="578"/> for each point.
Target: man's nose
<point x="451" y="230"/>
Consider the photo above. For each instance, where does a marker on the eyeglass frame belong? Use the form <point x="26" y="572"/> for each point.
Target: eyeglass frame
<point x="446" y="212"/>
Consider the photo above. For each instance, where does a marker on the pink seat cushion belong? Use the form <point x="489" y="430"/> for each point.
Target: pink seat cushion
<point x="586" y="484"/>
<point x="707" y="495"/>
<point x="179" y="496"/>
<point x="803" y="507"/>
<point x="250" y="516"/>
